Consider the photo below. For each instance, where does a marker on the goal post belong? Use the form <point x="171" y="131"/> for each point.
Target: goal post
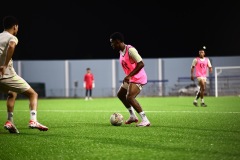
<point x="227" y="81"/>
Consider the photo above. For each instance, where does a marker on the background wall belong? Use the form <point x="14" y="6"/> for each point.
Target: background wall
<point x="61" y="76"/>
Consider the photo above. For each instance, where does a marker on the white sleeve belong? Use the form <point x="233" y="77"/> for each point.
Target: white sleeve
<point x="133" y="53"/>
<point x="14" y="39"/>
<point x="194" y="62"/>
<point x="209" y="63"/>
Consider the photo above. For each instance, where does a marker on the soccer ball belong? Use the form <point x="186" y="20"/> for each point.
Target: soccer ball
<point x="116" y="119"/>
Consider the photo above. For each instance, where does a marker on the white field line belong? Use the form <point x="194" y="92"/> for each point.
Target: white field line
<point x="102" y="111"/>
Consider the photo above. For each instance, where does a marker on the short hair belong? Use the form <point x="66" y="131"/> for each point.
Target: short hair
<point x="202" y="50"/>
<point x="117" y="36"/>
<point x="9" y="22"/>
<point x="88" y="69"/>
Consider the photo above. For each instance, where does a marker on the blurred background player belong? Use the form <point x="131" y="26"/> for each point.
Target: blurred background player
<point x="88" y="84"/>
<point x="10" y="82"/>
<point x="136" y="77"/>
<point x="200" y="64"/>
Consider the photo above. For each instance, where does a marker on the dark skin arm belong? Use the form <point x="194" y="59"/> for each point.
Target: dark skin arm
<point x="139" y="66"/>
<point x="210" y="69"/>
<point x="192" y="76"/>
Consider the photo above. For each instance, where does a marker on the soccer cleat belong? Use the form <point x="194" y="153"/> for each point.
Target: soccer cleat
<point x="37" y="125"/>
<point x="203" y="105"/>
<point x="131" y="120"/>
<point x="11" y="127"/>
<point x="195" y="104"/>
<point x="143" y="124"/>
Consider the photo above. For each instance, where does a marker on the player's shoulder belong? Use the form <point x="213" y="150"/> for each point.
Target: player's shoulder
<point x="206" y="59"/>
<point x="132" y="49"/>
<point x="10" y="37"/>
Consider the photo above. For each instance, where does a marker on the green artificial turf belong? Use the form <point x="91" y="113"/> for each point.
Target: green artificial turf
<point x="81" y="130"/>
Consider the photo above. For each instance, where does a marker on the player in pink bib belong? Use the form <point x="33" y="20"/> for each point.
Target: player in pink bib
<point x="200" y="64"/>
<point x="136" y="77"/>
<point x="128" y="66"/>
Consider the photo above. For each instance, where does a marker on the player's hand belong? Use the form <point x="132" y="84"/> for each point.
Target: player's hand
<point x="2" y="70"/>
<point x="126" y="79"/>
<point x="192" y="78"/>
<point x="210" y="70"/>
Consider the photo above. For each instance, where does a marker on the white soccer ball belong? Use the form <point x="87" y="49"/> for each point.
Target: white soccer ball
<point x="116" y="119"/>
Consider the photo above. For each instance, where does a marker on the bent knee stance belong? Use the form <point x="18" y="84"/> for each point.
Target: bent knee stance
<point x="12" y="94"/>
<point x="130" y="99"/>
<point x="35" y="94"/>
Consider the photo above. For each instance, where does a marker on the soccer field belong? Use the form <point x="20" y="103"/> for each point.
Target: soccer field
<point x="81" y="130"/>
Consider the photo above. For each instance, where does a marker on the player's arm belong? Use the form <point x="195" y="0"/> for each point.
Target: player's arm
<point x="209" y="66"/>
<point x="139" y="66"/>
<point x="10" y="51"/>
<point x="84" y="82"/>
<point x="210" y="69"/>
<point x="93" y="84"/>
<point x="133" y="53"/>
<point x="192" y="69"/>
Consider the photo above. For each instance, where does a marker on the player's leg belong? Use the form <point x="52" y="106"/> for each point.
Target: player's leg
<point x="195" y="102"/>
<point x="122" y="92"/>
<point x="33" y="104"/>
<point x="202" y="84"/>
<point x="9" y="125"/>
<point x="24" y="88"/>
<point x="86" y="94"/>
<point x="11" y="98"/>
<point x="133" y="91"/>
<point x="90" y="94"/>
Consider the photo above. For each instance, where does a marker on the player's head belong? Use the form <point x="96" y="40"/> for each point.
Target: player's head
<point x="10" y="23"/>
<point x="116" y="39"/>
<point x="117" y="36"/>
<point x="201" y="53"/>
<point x="88" y="70"/>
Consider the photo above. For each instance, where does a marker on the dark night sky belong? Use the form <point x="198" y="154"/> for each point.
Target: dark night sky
<point x="76" y="30"/>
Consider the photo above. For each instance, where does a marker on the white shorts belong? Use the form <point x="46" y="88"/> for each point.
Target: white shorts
<point x="125" y="85"/>
<point x="16" y="84"/>
<point x="202" y="78"/>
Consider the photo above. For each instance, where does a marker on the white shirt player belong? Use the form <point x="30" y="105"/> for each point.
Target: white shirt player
<point x="5" y="38"/>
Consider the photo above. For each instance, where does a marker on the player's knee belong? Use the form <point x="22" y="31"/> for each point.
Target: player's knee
<point x="12" y="94"/>
<point x="130" y="98"/>
<point x="121" y="96"/>
<point x="36" y="94"/>
<point x="33" y="94"/>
